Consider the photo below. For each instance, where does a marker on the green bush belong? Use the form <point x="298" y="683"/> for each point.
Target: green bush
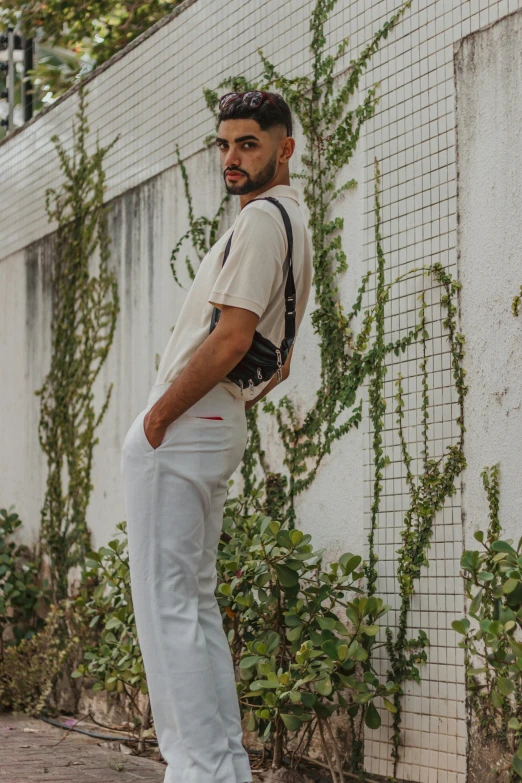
<point x="30" y="671"/>
<point x="21" y="595"/>
<point x="298" y="661"/>
<point x="494" y="587"/>
<point x="114" y="661"/>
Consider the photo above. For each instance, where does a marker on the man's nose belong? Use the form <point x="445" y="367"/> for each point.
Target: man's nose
<point x="231" y="159"/>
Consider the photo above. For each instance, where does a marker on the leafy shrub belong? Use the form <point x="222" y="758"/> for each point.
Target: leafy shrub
<point x="20" y="591"/>
<point x="115" y="660"/>
<point x="494" y="586"/>
<point x="299" y="662"/>
<point x="30" y="671"/>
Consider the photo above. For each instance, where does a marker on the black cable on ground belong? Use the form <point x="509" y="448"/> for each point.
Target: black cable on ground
<point x="94" y="733"/>
<point x="108" y="737"/>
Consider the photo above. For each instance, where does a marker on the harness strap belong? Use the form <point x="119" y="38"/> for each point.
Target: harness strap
<point x="290" y="293"/>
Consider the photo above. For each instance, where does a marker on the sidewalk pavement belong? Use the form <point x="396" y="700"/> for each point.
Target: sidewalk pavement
<point x="32" y="751"/>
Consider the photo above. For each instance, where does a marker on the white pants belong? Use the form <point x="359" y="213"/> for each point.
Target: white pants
<point x="174" y="497"/>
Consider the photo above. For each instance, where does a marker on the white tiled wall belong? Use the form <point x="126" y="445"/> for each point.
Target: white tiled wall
<point x="153" y="97"/>
<point x="413" y="136"/>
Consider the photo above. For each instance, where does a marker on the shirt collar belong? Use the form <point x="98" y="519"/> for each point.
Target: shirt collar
<point x="283" y="191"/>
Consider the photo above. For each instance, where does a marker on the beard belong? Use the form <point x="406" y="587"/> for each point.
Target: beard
<point x="261" y="179"/>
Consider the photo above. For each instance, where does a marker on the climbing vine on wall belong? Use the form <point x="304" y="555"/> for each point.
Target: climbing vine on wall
<point x="355" y="354"/>
<point x="84" y="312"/>
<point x="491" y="643"/>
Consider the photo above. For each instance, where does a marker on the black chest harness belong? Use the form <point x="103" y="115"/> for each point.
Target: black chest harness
<point x="263" y="359"/>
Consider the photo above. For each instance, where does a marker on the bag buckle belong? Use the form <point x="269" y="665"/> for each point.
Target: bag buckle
<point x="279" y="366"/>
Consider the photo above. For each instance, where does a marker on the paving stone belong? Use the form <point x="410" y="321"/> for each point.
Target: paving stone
<point x="25" y="755"/>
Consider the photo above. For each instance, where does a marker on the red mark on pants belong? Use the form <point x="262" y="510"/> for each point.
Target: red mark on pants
<point x="216" y="418"/>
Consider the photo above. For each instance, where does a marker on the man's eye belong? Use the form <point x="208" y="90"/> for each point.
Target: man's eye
<point x="222" y="146"/>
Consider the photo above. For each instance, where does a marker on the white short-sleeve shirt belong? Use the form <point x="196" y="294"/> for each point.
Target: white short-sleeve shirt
<point x="252" y="278"/>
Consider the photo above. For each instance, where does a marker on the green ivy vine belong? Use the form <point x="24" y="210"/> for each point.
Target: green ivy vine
<point x="84" y="313"/>
<point x="491" y="643"/>
<point x="353" y="358"/>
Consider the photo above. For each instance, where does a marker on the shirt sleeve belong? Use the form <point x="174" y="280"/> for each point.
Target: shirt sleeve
<point x="253" y="270"/>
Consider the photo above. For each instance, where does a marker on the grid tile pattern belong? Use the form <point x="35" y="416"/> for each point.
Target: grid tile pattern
<point x="412" y="134"/>
<point x="153" y="97"/>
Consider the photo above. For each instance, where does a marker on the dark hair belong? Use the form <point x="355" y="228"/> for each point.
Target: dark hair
<point x="267" y="115"/>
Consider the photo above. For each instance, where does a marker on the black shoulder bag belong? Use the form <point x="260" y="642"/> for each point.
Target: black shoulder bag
<point x="263" y="359"/>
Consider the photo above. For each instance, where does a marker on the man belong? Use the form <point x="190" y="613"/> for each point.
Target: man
<point x="183" y="447"/>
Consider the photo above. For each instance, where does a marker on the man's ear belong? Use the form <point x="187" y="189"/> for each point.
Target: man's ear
<point x="288" y="148"/>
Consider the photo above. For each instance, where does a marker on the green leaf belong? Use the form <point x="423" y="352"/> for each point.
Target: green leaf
<point x="460" y="626"/>
<point x="248" y="661"/>
<point x="294" y="633"/>
<point x="505" y="686"/>
<point x="296" y="536"/>
<point x="503" y="546"/>
<point x="292" y="722"/>
<point x="105" y="552"/>
<point x="323" y="710"/>
<point x="324" y="687"/>
<point x="360" y="654"/>
<point x="283" y="539"/>
<point x="330" y="648"/>
<point x="496" y="699"/>
<point x="509" y="586"/>
<point x="308" y="698"/>
<point x="475" y="604"/>
<point x="372" y="717"/>
<point x="516" y="647"/>
<point x="326" y="623"/>
<point x="272" y="641"/>
<point x="390" y="706"/>
<point x="259" y="685"/>
<point x="370" y="630"/>
<point x="516" y="763"/>
<point x="287" y="576"/>
<point x="349" y="562"/>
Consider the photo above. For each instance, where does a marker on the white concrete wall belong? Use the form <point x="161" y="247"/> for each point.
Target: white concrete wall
<point x="489" y="90"/>
<point x="152" y="95"/>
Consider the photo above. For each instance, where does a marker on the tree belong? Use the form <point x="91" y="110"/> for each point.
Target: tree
<point x="86" y="32"/>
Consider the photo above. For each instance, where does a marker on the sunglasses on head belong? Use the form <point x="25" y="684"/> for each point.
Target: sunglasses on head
<point x="253" y="99"/>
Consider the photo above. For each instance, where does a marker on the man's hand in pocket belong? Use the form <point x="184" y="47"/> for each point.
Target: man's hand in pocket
<point x="154" y="428"/>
